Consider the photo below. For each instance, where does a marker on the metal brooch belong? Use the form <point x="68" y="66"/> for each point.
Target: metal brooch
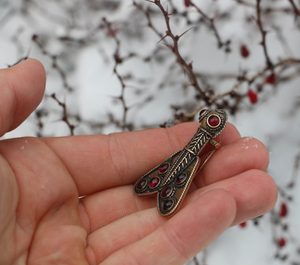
<point x="172" y="178"/>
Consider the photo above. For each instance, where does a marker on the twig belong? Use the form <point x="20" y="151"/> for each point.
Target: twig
<point x="65" y="116"/>
<point x="263" y="34"/>
<point x="174" y="47"/>
<point x="295" y="8"/>
<point x="211" y="23"/>
<point x="55" y="64"/>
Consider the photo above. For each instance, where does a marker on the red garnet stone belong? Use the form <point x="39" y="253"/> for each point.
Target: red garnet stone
<point x="153" y="182"/>
<point x="163" y="168"/>
<point x="213" y="121"/>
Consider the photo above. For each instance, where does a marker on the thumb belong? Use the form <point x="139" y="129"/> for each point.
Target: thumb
<point x="21" y="90"/>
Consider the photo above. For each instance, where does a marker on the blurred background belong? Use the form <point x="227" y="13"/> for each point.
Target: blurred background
<point x="122" y="65"/>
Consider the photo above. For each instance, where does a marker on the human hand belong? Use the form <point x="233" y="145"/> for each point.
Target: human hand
<point x="70" y="200"/>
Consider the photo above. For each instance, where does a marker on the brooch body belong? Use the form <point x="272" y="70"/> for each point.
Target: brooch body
<point x="171" y="179"/>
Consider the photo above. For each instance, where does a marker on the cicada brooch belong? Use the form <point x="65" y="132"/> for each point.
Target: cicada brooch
<point x="172" y="178"/>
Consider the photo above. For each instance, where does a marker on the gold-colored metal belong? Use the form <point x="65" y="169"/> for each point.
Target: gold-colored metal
<point x="214" y="143"/>
<point x="172" y="178"/>
<point x="189" y="150"/>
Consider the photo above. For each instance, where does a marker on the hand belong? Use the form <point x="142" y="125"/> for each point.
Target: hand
<point x="70" y="200"/>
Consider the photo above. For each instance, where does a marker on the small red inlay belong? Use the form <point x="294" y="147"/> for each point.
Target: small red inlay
<point x="213" y="121"/>
<point x="153" y="182"/>
<point x="163" y="168"/>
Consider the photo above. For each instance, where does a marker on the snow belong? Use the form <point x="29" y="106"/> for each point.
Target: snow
<point x="272" y="120"/>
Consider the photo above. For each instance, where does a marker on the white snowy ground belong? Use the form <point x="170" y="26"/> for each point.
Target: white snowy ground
<point x="271" y="120"/>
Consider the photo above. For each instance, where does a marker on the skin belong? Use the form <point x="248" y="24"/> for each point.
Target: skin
<point x="69" y="200"/>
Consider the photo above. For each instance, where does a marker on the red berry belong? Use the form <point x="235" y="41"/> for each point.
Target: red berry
<point x="271" y="79"/>
<point x="283" y="210"/>
<point x="252" y="95"/>
<point x="187" y="3"/>
<point x="244" y="51"/>
<point x="281" y="242"/>
<point x="243" y="224"/>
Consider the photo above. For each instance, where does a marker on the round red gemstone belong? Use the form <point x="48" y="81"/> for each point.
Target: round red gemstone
<point x="214" y="121"/>
<point x="163" y="168"/>
<point x="153" y="182"/>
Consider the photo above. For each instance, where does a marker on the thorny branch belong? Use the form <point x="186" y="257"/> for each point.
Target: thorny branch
<point x="264" y="78"/>
<point x="174" y="47"/>
<point x="118" y="60"/>
<point x="65" y="116"/>
<point x="295" y="9"/>
<point x="263" y="35"/>
<point x="55" y="64"/>
<point x="211" y="22"/>
<point x="271" y="9"/>
<point x="209" y="96"/>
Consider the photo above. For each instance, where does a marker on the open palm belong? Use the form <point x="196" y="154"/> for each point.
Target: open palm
<point x="69" y="200"/>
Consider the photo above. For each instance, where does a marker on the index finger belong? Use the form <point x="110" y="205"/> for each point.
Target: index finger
<point x="105" y="161"/>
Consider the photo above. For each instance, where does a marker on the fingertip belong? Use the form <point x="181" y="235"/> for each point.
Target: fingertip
<point x="221" y="203"/>
<point x="27" y="79"/>
<point x="269" y="190"/>
<point x="38" y="67"/>
<point x="21" y="90"/>
<point x="256" y="150"/>
<point x="254" y="192"/>
<point x="244" y="154"/>
<point x="31" y="71"/>
<point x="260" y="197"/>
<point x="259" y="151"/>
